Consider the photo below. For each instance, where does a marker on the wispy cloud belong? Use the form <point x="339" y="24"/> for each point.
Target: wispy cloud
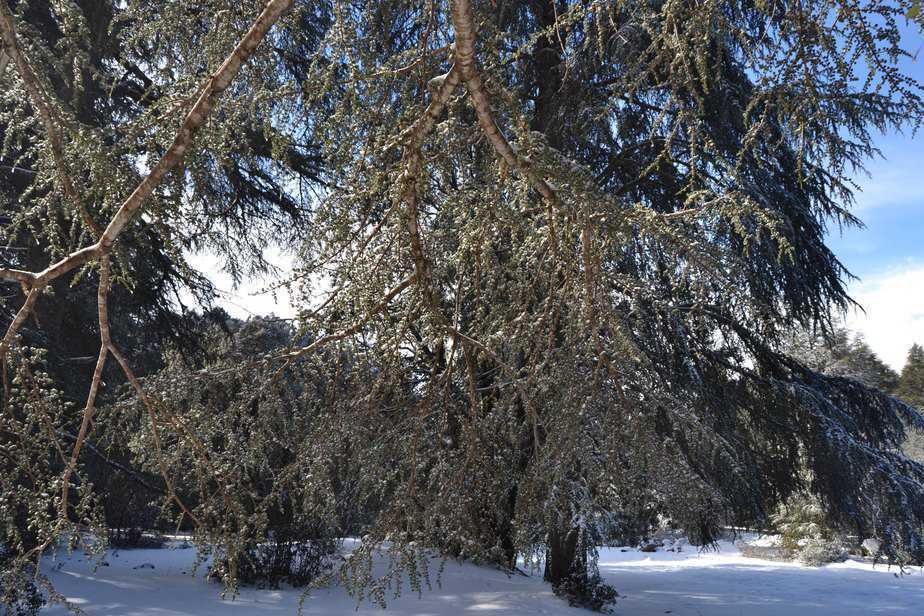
<point x="890" y="183"/>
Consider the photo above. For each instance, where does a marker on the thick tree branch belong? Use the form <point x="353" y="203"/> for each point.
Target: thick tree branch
<point x="102" y="301"/>
<point x="4" y="59"/>
<point x="35" y="282"/>
<point x="195" y="118"/>
<point x="442" y="88"/>
<point x="463" y="22"/>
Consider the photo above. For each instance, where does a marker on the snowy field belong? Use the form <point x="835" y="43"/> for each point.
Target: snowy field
<point x="690" y="583"/>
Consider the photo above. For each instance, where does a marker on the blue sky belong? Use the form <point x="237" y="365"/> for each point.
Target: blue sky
<point x="888" y="254"/>
<point x="890" y="206"/>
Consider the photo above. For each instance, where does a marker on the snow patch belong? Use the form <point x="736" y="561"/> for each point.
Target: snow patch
<point x="718" y="582"/>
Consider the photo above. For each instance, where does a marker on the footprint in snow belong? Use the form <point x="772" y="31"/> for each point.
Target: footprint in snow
<point x="144" y="566"/>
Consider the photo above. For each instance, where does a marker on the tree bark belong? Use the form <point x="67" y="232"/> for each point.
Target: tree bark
<point x="563" y="561"/>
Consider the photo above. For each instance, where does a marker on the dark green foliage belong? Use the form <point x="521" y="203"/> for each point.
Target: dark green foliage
<point x="911" y="382"/>
<point x="133" y="538"/>
<point x="557" y="297"/>
<point x="296" y="554"/>
<point x="911" y="390"/>
<point x="587" y="590"/>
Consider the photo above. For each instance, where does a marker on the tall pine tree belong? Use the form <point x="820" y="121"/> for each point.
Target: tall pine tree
<point x="911" y="382"/>
<point x="841" y="353"/>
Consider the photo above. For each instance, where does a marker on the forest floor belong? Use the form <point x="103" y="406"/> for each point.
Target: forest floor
<point x="688" y="583"/>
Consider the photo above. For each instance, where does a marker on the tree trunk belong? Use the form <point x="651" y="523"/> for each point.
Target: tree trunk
<point x="564" y="562"/>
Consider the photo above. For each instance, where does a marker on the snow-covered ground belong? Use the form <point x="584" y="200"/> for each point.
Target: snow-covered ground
<point x="689" y="583"/>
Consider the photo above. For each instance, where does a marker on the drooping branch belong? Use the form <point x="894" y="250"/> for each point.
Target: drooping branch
<point x="196" y="117"/>
<point x="352" y="329"/>
<point x="106" y="349"/>
<point x="129" y="472"/>
<point x="412" y="139"/>
<point x="155" y="432"/>
<point x="442" y="88"/>
<point x="33" y="282"/>
<point x="21" y="315"/>
<point x="102" y="303"/>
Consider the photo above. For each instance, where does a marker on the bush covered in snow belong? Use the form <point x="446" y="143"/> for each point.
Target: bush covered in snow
<point x="589" y="591"/>
<point x="805" y="532"/>
<point x="817" y="552"/>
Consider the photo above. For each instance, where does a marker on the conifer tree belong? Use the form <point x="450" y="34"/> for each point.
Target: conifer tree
<point x="841" y="353"/>
<point x="911" y="382"/>
<point x="860" y="362"/>
<point x="911" y="389"/>
<point x="552" y="247"/>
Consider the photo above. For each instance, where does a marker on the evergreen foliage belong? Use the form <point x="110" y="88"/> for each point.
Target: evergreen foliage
<point x="548" y="255"/>
<point x="267" y="506"/>
<point x="911" y="390"/>
<point x="911" y="382"/>
<point x="862" y="364"/>
<point x="19" y="595"/>
<point x="805" y="533"/>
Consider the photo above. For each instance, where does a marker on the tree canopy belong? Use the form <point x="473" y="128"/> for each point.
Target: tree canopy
<point x="548" y="256"/>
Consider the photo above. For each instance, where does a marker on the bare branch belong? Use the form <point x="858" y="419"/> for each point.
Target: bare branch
<point x="196" y="117"/>
<point x="102" y="297"/>
<point x="414" y="136"/>
<point x="18" y="320"/>
<point x="14" y="275"/>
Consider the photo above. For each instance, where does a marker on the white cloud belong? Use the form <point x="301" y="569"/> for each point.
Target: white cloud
<point x="894" y="305"/>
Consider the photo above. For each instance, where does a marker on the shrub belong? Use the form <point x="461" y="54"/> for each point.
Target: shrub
<point x="587" y="591"/>
<point x="799" y="519"/>
<point x="806" y="533"/>
<point x="293" y="555"/>
<point x="817" y="552"/>
<point x="134" y="538"/>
